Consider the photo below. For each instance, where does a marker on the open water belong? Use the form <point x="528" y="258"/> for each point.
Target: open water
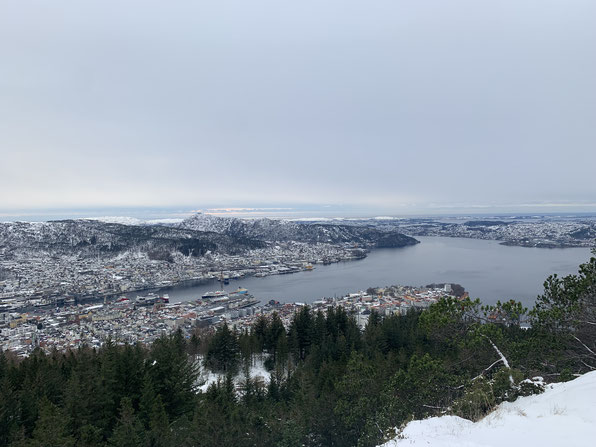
<point x="486" y="269"/>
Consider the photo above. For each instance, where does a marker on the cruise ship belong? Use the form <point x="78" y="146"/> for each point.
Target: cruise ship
<point x="216" y="294"/>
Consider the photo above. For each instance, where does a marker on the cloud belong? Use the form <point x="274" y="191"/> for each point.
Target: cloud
<point x="387" y="105"/>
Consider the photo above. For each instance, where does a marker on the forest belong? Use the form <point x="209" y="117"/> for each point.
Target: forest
<point x="331" y="383"/>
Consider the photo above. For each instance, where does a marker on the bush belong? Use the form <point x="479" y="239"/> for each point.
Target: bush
<point x="477" y="401"/>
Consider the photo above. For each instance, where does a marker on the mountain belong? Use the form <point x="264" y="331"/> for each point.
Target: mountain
<point x="90" y="237"/>
<point x="194" y="236"/>
<point x="284" y="230"/>
<point x="562" y="415"/>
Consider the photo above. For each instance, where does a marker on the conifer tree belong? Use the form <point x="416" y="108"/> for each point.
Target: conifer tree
<point x="159" y="426"/>
<point x="51" y="428"/>
<point x="129" y="430"/>
<point x="173" y="374"/>
<point x="147" y="400"/>
<point x="223" y="353"/>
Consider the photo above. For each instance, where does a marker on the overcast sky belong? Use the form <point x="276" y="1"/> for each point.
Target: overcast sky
<point x="396" y="106"/>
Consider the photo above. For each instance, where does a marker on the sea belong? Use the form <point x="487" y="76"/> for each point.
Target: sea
<point x="486" y="269"/>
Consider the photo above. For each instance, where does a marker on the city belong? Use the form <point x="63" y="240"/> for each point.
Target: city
<point x="125" y="321"/>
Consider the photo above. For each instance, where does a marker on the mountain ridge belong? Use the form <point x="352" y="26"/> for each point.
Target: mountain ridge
<point x="94" y="238"/>
<point x="284" y="230"/>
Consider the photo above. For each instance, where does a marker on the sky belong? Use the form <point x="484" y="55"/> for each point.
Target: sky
<point x="388" y="107"/>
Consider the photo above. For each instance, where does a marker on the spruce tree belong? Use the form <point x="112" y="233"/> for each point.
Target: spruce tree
<point x="51" y="428"/>
<point x="129" y="430"/>
<point x="159" y="434"/>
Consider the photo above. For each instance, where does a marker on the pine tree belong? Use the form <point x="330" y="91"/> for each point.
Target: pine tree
<point x="51" y="429"/>
<point x="9" y="410"/>
<point x="159" y="434"/>
<point x="223" y="353"/>
<point x="173" y="374"/>
<point x="275" y="331"/>
<point x="147" y="400"/>
<point x="90" y="436"/>
<point x="129" y="430"/>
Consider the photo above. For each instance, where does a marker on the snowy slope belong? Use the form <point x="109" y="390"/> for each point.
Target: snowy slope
<point x="84" y="237"/>
<point x="285" y="230"/>
<point x="564" y="415"/>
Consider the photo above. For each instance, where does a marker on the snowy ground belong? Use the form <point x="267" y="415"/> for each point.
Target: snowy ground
<point x="564" y="415"/>
<point x="256" y="371"/>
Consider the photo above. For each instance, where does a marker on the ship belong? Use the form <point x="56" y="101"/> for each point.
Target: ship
<point x="152" y="299"/>
<point x="239" y="291"/>
<point x="216" y="294"/>
<point x="122" y="301"/>
<point x="148" y="300"/>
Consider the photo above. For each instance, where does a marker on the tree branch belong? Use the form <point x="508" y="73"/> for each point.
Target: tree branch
<point x="582" y="343"/>
<point x="503" y="359"/>
<point x="589" y="366"/>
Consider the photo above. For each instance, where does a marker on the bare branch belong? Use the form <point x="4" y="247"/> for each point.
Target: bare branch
<point x="589" y="366"/>
<point x="433" y="407"/>
<point x="486" y="369"/>
<point x="503" y="359"/>
<point x="582" y="343"/>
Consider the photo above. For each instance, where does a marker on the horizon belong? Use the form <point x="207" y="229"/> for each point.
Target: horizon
<point x="287" y="213"/>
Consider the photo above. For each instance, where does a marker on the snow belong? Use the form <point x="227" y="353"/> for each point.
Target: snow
<point x="314" y="219"/>
<point x="163" y="221"/>
<point x="124" y="220"/>
<point x="564" y="415"/>
<point x="257" y="370"/>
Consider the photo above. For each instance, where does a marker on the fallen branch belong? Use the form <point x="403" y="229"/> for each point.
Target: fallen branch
<point x="486" y="369"/>
<point x="502" y="359"/>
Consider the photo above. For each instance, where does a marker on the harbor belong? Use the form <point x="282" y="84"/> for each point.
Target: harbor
<point x="126" y="320"/>
<point x="489" y="270"/>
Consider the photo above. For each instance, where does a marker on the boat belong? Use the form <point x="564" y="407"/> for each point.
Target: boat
<point x="240" y="291"/>
<point x="216" y="294"/>
<point x="148" y="300"/>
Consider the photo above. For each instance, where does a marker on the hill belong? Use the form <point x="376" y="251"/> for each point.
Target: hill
<point x="284" y="230"/>
<point x="95" y="238"/>
<point x="562" y="415"/>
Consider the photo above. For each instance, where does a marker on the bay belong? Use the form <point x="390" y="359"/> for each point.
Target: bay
<point x="486" y="269"/>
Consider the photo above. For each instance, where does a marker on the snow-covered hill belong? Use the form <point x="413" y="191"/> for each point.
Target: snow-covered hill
<point x="284" y="230"/>
<point x="95" y="238"/>
<point x="564" y="415"/>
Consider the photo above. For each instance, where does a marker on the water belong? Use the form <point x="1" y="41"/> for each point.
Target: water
<point x="487" y="270"/>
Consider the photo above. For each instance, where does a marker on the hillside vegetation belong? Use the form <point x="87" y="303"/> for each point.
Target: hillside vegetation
<point x="563" y="415"/>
